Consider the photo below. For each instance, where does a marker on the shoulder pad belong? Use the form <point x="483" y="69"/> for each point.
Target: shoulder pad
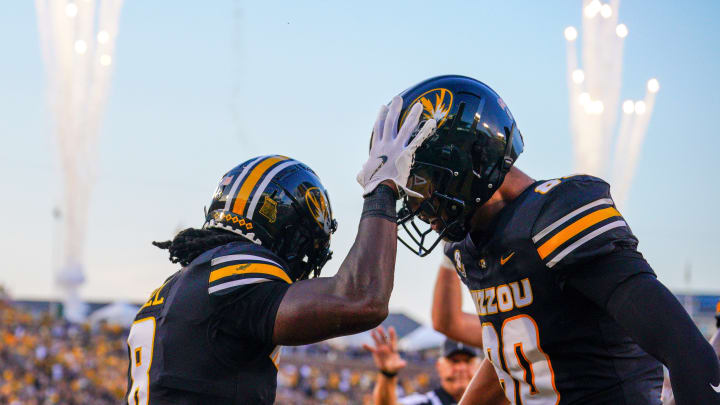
<point x="578" y="220"/>
<point x="239" y="264"/>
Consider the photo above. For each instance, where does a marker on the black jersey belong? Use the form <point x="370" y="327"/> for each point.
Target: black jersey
<point x="550" y="344"/>
<point x="205" y="336"/>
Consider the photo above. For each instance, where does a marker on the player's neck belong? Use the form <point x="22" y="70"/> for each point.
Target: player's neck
<point x="514" y="184"/>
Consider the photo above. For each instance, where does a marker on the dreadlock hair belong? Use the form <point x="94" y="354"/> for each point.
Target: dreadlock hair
<point x="191" y="243"/>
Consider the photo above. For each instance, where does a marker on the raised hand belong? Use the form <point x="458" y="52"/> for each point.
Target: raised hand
<point x="385" y="352"/>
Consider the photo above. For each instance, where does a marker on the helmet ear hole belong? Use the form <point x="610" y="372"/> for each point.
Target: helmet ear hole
<point x="480" y="156"/>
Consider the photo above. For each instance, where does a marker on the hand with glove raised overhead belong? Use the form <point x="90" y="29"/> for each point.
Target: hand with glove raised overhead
<point x="391" y="151"/>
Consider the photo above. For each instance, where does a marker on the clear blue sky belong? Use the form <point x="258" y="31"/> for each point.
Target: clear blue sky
<point x="199" y="88"/>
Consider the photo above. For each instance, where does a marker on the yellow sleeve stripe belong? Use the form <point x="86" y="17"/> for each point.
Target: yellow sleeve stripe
<point x="275" y="356"/>
<point x="249" y="184"/>
<point x="575" y="228"/>
<point x="249" y="268"/>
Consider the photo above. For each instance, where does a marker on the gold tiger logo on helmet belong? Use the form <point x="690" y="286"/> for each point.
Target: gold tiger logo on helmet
<point x="436" y="105"/>
<point x="318" y="206"/>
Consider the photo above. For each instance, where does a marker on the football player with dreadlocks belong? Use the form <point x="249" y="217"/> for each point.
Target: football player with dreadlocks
<point x="570" y="312"/>
<point x="211" y="334"/>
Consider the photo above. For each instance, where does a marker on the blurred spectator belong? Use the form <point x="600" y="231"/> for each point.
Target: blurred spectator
<point x="320" y="374"/>
<point x="455" y="367"/>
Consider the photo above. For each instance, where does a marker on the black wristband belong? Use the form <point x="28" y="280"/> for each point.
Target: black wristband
<point x="380" y="203"/>
<point x="388" y="374"/>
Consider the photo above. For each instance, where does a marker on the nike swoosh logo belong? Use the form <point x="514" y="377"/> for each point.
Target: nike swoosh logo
<point x="384" y="160"/>
<point x="717" y="389"/>
<point x="504" y="260"/>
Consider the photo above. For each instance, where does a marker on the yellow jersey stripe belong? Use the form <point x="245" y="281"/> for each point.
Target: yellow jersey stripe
<point x="585" y="239"/>
<point x="275" y="356"/>
<point x="249" y="268"/>
<point x="559" y="222"/>
<point x="575" y="228"/>
<point x="252" y="179"/>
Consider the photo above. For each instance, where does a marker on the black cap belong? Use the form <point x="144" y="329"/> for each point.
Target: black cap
<point x="451" y="347"/>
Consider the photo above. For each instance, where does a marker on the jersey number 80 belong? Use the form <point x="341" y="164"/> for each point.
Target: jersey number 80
<point x="524" y="370"/>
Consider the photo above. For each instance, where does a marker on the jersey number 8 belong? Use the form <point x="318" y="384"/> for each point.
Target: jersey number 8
<point x="140" y="343"/>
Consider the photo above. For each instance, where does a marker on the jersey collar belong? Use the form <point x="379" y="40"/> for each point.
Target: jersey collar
<point x="474" y="244"/>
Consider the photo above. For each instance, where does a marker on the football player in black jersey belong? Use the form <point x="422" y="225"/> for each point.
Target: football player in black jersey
<point x="211" y="334"/>
<point x="570" y="311"/>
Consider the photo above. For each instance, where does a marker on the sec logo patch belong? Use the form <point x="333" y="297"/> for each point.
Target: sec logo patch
<point x="459" y="264"/>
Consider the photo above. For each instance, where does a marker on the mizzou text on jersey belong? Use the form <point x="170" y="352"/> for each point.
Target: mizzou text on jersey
<point x="550" y="345"/>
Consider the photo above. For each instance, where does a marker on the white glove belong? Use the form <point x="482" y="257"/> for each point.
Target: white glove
<point x="390" y="146"/>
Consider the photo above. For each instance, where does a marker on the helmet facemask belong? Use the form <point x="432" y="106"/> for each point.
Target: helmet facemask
<point x="460" y="166"/>
<point x="432" y="182"/>
<point x="304" y="254"/>
<point x="305" y="246"/>
<point x="452" y="197"/>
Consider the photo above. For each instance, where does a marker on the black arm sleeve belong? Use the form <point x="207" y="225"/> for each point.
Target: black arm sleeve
<point x="628" y="290"/>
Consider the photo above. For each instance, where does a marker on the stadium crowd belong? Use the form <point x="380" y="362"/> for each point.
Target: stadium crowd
<point x="48" y="361"/>
<point x="319" y="374"/>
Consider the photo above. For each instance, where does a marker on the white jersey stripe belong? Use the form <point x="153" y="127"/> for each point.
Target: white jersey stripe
<point x="428" y="398"/>
<point x="584" y="240"/>
<point x="235" y="283"/>
<point x="434" y="398"/>
<point x="238" y="181"/>
<point x="233" y="258"/>
<point x="414" y="399"/>
<point x="564" y="219"/>
<point x="263" y="185"/>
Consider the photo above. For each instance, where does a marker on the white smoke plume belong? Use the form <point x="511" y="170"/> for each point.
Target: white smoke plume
<point x="77" y="39"/>
<point x="594" y="99"/>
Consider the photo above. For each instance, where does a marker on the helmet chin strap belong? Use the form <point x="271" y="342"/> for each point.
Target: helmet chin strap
<point x="453" y="230"/>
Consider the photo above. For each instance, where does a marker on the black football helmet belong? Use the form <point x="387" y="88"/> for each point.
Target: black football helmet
<point x="279" y="203"/>
<point x="460" y="166"/>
